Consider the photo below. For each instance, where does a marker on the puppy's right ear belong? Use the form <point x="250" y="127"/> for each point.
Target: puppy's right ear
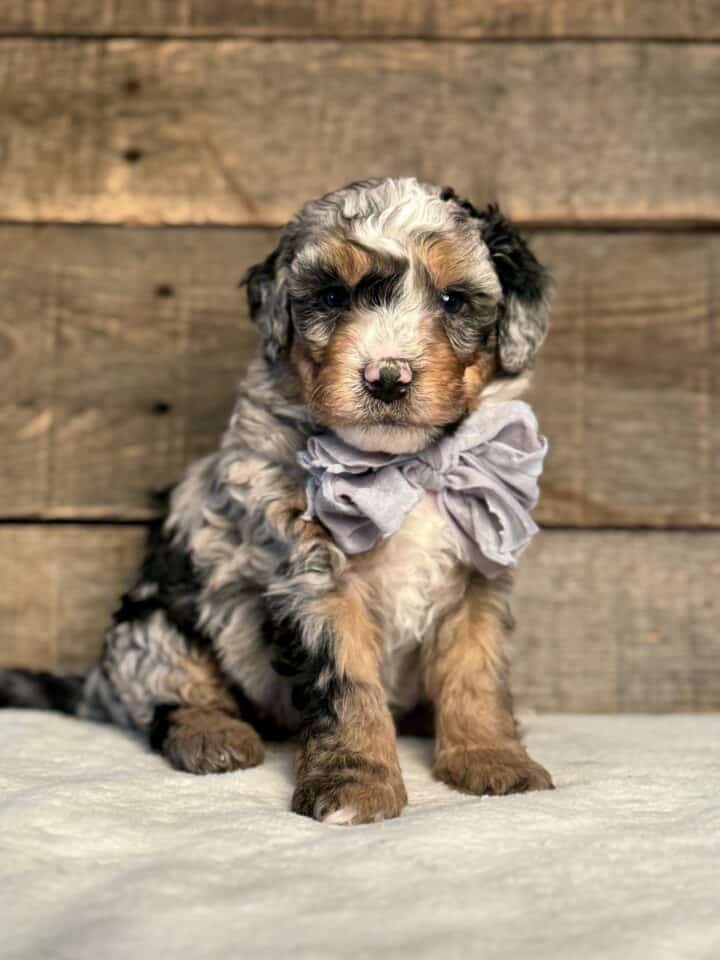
<point x="269" y="306"/>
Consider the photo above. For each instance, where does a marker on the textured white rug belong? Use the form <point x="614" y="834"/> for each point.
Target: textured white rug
<point x="107" y="853"/>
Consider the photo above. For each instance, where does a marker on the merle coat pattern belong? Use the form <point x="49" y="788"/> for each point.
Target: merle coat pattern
<point x="247" y="617"/>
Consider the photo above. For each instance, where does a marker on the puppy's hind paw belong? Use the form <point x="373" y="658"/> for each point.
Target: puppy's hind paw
<point x="209" y="741"/>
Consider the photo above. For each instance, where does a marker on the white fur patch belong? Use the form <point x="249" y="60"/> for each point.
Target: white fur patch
<point x="343" y="817"/>
<point x="415" y="580"/>
<point x="387" y="438"/>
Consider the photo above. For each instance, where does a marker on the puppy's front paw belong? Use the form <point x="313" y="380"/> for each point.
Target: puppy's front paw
<point x="492" y="771"/>
<point x="345" y="797"/>
<point x="210" y="741"/>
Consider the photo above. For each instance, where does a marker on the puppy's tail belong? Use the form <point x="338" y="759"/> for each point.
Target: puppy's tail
<point x="38" y="690"/>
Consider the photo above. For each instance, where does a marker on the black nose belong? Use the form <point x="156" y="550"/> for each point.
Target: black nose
<point x="387" y="380"/>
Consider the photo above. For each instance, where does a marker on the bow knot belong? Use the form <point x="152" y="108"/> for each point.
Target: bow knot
<point x="485" y="476"/>
<point x="426" y="475"/>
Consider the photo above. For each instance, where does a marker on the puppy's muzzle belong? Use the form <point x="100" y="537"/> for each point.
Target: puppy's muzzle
<point x="387" y="379"/>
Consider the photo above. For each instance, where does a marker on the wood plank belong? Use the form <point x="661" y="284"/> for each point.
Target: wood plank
<point x="607" y="621"/>
<point x="619" y="621"/>
<point x="628" y="384"/>
<point x="120" y="350"/>
<point x="367" y="18"/>
<point x="60" y="585"/>
<point x="119" y="353"/>
<point x="243" y="132"/>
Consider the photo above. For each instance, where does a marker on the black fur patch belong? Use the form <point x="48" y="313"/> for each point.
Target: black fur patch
<point x="39" y="690"/>
<point x="316" y="688"/>
<point x="160" y="724"/>
<point x="378" y="289"/>
<point x="258" y="279"/>
<point x="260" y="720"/>
<point x="168" y="572"/>
<point x="448" y="194"/>
<point x="517" y="268"/>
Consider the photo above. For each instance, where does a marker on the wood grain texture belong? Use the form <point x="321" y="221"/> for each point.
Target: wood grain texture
<point x="119" y="353"/>
<point x="60" y="585"/>
<point x="619" y="621"/>
<point x="120" y="350"/>
<point x="628" y="384"/>
<point x="606" y="621"/>
<point x="366" y="18"/>
<point x="243" y="132"/>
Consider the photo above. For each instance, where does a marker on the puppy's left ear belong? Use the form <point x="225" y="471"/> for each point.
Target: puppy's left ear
<point x="527" y="291"/>
<point x="269" y="305"/>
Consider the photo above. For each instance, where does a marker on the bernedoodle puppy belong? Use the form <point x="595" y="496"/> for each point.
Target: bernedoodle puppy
<point x="343" y="560"/>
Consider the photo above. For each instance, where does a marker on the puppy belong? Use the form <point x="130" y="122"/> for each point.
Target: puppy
<point x="342" y="561"/>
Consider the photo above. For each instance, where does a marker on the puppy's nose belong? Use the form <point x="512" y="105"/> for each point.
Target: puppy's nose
<point x="387" y="379"/>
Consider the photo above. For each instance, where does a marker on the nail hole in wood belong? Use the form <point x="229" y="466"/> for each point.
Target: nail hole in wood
<point x="164" y="291"/>
<point x="133" y="155"/>
<point x="161" y="408"/>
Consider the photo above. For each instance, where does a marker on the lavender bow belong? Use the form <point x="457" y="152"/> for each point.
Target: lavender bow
<point x="484" y="475"/>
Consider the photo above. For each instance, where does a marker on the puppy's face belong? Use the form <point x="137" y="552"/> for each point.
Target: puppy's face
<point x="394" y="329"/>
<point x="386" y="298"/>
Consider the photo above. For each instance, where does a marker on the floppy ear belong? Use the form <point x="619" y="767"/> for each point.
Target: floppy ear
<point x="527" y="289"/>
<point x="269" y="306"/>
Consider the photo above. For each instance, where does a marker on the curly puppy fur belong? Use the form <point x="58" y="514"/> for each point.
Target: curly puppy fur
<point x="246" y="617"/>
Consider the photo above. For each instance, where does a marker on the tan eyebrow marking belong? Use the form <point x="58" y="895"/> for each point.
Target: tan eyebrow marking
<point x="350" y="262"/>
<point x="446" y="261"/>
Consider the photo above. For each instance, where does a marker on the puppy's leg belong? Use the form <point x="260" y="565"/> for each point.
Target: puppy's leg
<point x="478" y="746"/>
<point x="347" y="769"/>
<point x="154" y="678"/>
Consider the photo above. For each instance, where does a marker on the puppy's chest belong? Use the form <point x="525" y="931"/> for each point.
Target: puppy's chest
<point x="411" y="582"/>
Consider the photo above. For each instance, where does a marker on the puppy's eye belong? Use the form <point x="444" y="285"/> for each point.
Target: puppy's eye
<point x="336" y="297"/>
<point x="452" y="301"/>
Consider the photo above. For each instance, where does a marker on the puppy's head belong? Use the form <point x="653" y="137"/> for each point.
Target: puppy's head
<point x="400" y="306"/>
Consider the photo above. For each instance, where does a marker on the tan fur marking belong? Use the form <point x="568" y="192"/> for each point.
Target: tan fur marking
<point x="445" y="260"/>
<point x="440" y="392"/>
<point x="467" y="675"/>
<point x="350" y="262"/>
<point x="356" y="652"/>
<point x="351" y="764"/>
<point x="204" y="686"/>
<point x="305" y="365"/>
<point x="478" y="747"/>
<point x="476" y="377"/>
<point x="334" y="386"/>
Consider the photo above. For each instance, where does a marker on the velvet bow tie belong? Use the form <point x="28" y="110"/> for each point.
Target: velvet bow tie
<point x="484" y="476"/>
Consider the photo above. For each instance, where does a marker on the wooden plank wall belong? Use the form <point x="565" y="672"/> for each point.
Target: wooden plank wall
<point x="148" y="153"/>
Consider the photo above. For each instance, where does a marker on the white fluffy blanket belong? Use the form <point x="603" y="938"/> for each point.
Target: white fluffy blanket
<point x="107" y="853"/>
